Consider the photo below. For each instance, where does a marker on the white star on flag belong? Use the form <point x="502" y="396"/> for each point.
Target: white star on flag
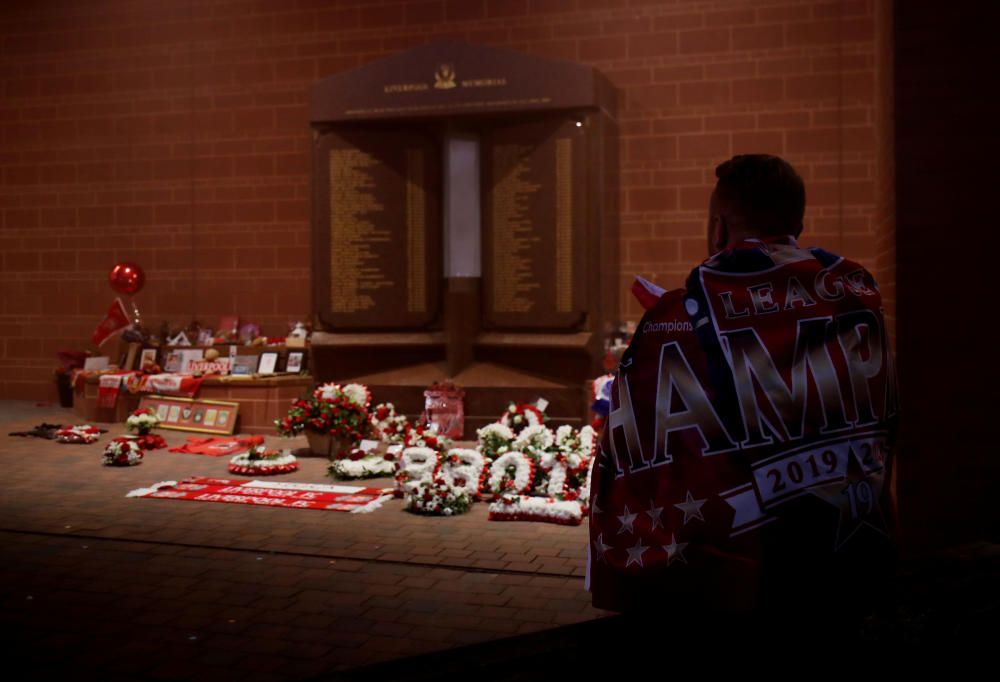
<point x="675" y="550"/>
<point x="654" y="516"/>
<point x="601" y="548"/>
<point x="691" y="508"/>
<point x="635" y="553"/>
<point x="626" y="520"/>
<point x="594" y="509"/>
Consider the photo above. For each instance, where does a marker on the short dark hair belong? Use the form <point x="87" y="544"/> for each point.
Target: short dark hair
<point x="764" y="191"/>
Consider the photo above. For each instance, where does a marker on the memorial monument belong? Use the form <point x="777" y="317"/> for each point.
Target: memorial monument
<point x="465" y="228"/>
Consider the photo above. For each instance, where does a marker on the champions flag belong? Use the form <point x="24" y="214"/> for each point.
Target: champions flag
<point x="750" y="431"/>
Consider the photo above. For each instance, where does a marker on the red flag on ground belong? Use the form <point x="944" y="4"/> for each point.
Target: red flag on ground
<point x="116" y="320"/>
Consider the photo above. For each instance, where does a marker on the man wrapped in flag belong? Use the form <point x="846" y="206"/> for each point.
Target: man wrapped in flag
<point x="746" y="461"/>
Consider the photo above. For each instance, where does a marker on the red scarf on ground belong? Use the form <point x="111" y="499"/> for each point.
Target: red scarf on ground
<point x="750" y="431"/>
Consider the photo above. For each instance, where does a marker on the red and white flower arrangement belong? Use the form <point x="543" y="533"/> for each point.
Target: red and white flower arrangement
<point x="524" y="508"/>
<point x="415" y="464"/>
<point x="122" y="452"/>
<point x="425" y="437"/>
<point x="536" y="438"/>
<point x="389" y="426"/>
<point x="520" y="415"/>
<point x="151" y="441"/>
<point x="362" y="464"/>
<point x="494" y="440"/>
<point x="465" y="469"/>
<point x="334" y="410"/>
<point x="142" y="421"/>
<point x="511" y="473"/>
<point x="437" y="496"/>
<point x="356" y="393"/>
<point x="84" y="433"/>
<point x="259" y="461"/>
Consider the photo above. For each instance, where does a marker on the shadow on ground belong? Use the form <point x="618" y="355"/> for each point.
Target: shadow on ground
<point x="942" y="606"/>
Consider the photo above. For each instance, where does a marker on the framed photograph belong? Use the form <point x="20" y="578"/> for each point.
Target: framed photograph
<point x="187" y="414"/>
<point x="294" y="361"/>
<point x="172" y="363"/>
<point x="189" y="356"/>
<point x="268" y="361"/>
<point x="147" y="357"/>
<point x="244" y="365"/>
<point x="95" y="364"/>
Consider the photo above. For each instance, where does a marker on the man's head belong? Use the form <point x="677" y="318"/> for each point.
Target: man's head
<point x="756" y="195"/>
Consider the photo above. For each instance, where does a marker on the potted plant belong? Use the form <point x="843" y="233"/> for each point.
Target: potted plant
<point x="334" y="419"/>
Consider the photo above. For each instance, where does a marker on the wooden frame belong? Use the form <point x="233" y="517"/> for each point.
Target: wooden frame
<point x="190" y="414"/>
<point x="147" y="356"/>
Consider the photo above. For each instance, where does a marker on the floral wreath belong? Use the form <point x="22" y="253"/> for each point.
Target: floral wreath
<point x="259" y="461"/>
<point x="142" y="421"/>
<point x="84" y="433"/>
<point x="494" y="440"/>
<point x="389" y="426"/>
<point x="423" y="437"/>
<point x="465" y="469"/>
<point x="519" y="415"/>
<point x="536" y="437"/>
<point x="122" y="452"/>
<point x="373" y="466"/>
<point x="503" y="481"/>
<point x="415" y="464"/>
<point x="438" y="497"/>
<point x="546" y="510"/>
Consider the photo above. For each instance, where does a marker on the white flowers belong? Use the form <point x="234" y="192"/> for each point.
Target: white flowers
<point x="538" y="437"/>
<point x="372" y="466"/>
<point x="464" y="469"/>
<point x="495" y="430"/>
<point x="502" y="481"/>
<point x="522" y="508"/>
<point x="267" y="462"/>
<point x="122" y="452"/>
<point x="437" y="496"/>
<point x="142" y="421"/>
<point x="389" y="426"/>
<point x="356" y="393"/>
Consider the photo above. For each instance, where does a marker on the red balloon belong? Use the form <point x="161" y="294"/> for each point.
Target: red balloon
<point x="127" y="278"/>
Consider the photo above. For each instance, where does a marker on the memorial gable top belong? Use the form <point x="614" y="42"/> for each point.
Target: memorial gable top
<point x="454" y="79"/>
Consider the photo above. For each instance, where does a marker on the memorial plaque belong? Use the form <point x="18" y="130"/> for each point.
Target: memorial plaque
<point x="534" y="235"/>
<point x="378" y="240"/>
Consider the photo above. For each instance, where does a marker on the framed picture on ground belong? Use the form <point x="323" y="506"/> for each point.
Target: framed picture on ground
<point x="191" y="414"/>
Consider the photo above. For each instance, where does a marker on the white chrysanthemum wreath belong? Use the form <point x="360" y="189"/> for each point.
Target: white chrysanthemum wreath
<point x="511" y="473"/>
<point x="438" y="497"/>
<point x="465" y="468"/>
<point x="415" y="465"/>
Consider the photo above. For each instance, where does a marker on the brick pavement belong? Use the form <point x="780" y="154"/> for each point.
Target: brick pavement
<point x="142" y="588"/>
<point x="105" y="587"/>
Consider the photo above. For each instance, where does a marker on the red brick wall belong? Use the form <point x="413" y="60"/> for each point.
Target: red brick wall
<point x="174" y="134"/>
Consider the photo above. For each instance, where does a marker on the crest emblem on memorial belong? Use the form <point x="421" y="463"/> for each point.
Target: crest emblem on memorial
<point x="444" y="77"/>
